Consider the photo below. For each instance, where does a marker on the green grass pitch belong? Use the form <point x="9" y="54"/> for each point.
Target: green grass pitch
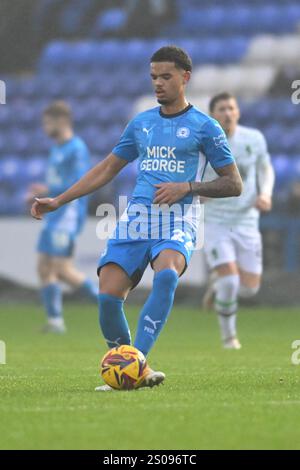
<point x="212" y="399"/>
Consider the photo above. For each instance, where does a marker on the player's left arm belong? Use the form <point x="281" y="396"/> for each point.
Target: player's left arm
<point x="265" y="178"/>
<point x="229" y="183"/>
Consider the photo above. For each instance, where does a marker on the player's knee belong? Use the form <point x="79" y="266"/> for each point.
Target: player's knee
<point x="228" y="285"/>
<point x="106" y="300"/>
<point x="44" y="271"/>
<point x="113" y="280"/>
<point x="63" y="273"/>
<point x="246" y="292"/>
<point x="107" y="287"/>
<point x="60" y="268"/>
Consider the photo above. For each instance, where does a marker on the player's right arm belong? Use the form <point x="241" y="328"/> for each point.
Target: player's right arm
<point x="124" y="152"/>
<point x="94" y="179"/>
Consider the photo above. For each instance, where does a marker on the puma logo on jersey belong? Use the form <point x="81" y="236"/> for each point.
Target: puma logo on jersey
<point x="161" y="152"/>
<point x="147" y="130"/>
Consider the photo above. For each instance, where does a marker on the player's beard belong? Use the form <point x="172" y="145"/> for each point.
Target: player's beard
<point x="163" y="101"/>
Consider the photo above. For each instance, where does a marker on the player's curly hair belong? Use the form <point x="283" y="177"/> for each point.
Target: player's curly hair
<point x="174" y="54"/>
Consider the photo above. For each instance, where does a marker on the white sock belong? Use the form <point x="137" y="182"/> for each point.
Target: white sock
<point x="228" y="326"/>
<point x="226" y="289"/>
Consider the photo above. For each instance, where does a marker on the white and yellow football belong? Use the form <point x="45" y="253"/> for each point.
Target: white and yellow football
<point x="123" y="367"/>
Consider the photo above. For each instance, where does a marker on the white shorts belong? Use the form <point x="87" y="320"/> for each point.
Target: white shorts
<point x="223" y="244"/>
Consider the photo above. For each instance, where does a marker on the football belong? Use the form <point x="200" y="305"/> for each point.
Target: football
<point x="123" y="367"/>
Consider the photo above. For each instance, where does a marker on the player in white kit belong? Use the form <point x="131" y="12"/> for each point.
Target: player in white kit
<point x="233" y="244"/>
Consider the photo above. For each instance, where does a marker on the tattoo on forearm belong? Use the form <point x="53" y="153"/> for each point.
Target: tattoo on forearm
<point x="224" y="186"/>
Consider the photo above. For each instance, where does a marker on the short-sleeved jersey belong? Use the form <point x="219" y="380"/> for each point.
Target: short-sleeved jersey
<point x="250" y="150"/>
<point x="67" y="163"/>
<point x="172" y="148"/>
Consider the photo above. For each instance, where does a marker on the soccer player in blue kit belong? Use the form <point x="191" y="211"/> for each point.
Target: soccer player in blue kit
<point x="172" y="143"/>
<point x="69" y="160"/>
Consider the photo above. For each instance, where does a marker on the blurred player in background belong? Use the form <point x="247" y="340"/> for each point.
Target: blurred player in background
<point x="233" y="244"/>
<point x="167" y="141"/>
<point x="69" y="159"/>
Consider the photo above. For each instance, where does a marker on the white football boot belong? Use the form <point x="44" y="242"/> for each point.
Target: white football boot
<point x="231" y="343"/>
<point x="150" y="379"/>
<point x="105" y="388"/>
<point x="55" y="326"/>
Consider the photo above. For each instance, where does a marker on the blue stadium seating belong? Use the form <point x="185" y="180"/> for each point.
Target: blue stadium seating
<point x="83" y="56"/>
<point x="246" y="18"/>
<point x="35" y="169"/>
<point x="200" y="18"/>
<point x="71" y="19"/>
<point x="12" y="170"/>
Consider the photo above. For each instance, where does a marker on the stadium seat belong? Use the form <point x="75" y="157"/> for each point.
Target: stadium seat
<point x="38" y="143"/>
<point x="54" y="55"/>
<point x="12" y="170"/>
<point x="12" y="202"/>
<point x="18" y="141"/>
<point x="274" y="50"/>
<point x="71" y="19"/>
<point x="26" y="117"/>
<point x="245" y="17"/>
<point x="35" y="170"/>
<point x="4" y="202"/>
<point x="242" y="80"/>
<point x="296" y="167"/>
<point x="110" y="21"/>
<point x="283" y="169"/>
<point x="28" y="88"/>
<point x="6" y="117"/>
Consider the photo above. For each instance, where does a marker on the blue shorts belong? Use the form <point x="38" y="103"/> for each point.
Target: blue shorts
<point x="134" y="255"/>
<point x="56" y="243"/>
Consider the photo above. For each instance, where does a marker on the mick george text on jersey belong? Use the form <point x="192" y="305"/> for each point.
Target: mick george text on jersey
<point x="162" y="158"/>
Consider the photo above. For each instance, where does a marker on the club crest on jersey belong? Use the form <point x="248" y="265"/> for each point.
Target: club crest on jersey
<point x="183" y="132"/>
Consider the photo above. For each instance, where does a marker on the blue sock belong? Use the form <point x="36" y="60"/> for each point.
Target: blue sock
<point x="156" y="309"/>
<point x="89" y="288"/>
<point x="52" y="300"/>
<point x="112" y="320"/>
